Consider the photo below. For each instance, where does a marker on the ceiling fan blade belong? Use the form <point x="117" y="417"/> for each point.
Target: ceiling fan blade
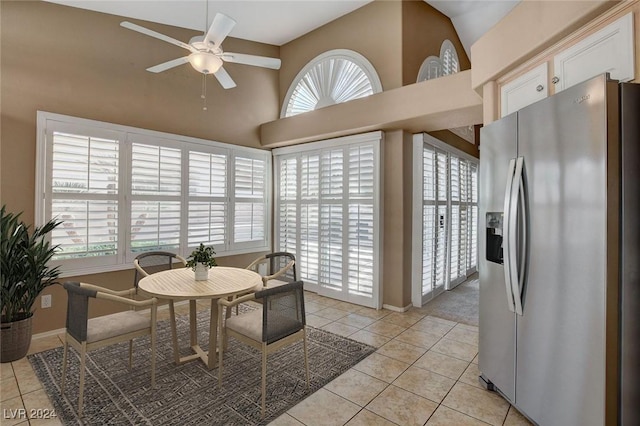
<point x="219" y="29"/>
<point x="151" y="33"/>
<point x="169" y="64"/>
<point x="256" y="61"/>
<point x="225" y="79"/>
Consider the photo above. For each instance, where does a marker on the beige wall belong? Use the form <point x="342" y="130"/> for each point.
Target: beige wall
<point x="423" y="31"/>
<point x="373" y="31"/>
<point x="81" y="63"/>
<point x="394" y="276"/>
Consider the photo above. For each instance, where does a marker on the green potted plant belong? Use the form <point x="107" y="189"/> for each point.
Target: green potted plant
<point x="201" y="260"/>
<point x="24" y="273"/>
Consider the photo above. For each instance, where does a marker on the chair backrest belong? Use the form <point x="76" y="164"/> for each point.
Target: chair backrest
<point x="282" y="311"/>
<point x="277" y="261"/>
<point x="78" y="309"/>
<point x="154" y="261"/>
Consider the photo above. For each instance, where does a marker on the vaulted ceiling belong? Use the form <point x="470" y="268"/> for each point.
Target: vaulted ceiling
<point x="278" y="22"/>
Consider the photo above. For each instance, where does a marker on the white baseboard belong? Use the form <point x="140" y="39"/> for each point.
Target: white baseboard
<point x="396" y="308"/>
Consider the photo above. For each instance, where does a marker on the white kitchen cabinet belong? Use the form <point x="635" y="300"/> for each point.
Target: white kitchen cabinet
<point x="611" y="50"/>
<point x="524" y="90"/>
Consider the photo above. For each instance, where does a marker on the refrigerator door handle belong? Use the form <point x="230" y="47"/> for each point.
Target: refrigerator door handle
<point x="506" y="237"/>
<point x="521" y="246"/>
<point x="512" y="235"/>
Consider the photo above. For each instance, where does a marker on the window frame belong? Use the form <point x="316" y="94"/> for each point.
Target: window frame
<point x="319" y="148"/>
<point x="419" y="142"/>
<point x="48" y="122"/>
<point x="346" y="54"/>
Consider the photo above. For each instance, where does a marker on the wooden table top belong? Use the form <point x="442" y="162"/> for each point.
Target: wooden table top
<point x="181" y="284"/>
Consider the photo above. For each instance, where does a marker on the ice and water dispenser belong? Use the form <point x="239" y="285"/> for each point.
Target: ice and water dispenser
<point x="494" y="237"/>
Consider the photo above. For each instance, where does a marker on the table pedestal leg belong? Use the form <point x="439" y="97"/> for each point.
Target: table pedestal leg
<point x="192" y="323"/>
<point x="213" y="334"/>
<point x="174" y="333"/>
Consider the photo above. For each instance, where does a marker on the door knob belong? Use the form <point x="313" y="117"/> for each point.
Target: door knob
<point x="540" y="88"/>
<point x="555" y="80"/>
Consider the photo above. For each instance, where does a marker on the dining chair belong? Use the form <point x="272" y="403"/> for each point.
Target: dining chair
<point x="155" y="261"/>
<point x="280" y="268"/>
<point x="85" y="334"/>
<point x="279" y="322"/>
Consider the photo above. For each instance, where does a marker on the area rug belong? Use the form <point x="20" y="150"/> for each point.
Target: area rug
<point x="459" y="305"/>
<point x="188" y="394"/>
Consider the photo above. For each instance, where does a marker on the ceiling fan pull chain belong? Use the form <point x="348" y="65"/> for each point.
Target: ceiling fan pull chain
<point x="204" y="92"/>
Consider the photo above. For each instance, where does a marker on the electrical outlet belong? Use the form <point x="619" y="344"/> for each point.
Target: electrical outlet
<point x="45" y="301"/>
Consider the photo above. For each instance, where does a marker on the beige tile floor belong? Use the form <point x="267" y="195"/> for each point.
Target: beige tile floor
<point x="423" y="372"/>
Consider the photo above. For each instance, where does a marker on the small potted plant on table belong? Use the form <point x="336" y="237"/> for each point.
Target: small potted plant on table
<point x="201" y="260"/>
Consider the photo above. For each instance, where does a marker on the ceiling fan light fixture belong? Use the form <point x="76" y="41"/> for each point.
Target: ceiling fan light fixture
<point x="205" y="63"/>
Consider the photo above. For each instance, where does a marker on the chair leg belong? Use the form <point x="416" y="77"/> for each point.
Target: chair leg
<point x="130" y="354"/>
<point x="306" y="356"/>
<point x="264" y="377"/>
<point x="64" y="364"/>
<point x="83" y="353"/>
<point x="153" y="346"/>
<point x="221" y="348"/>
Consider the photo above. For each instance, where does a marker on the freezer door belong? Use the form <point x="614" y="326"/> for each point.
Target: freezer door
<point x="630" y="271"/>
<point x="497" y="322"/>
<point x="560" y="364"/>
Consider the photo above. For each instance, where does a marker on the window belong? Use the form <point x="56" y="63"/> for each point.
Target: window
<point x="445" y="254"/>
<point x="437" y="66"/>
<point x="335" y="76"/>
<point x="120" y="191"/>
<point x="327" y="209"/>
<point x="449" y="58"/>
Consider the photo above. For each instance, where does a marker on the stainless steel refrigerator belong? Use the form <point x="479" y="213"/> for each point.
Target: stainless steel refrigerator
<point x="559" y="253"/>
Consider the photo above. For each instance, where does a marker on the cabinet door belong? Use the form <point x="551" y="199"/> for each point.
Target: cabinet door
<point x="608" y="50"/>
<point x="524" y="90"/>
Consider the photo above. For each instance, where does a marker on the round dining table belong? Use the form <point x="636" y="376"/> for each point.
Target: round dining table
<point x="180" y="284"/>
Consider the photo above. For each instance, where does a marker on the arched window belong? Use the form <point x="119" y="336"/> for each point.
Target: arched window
<point x="331" y="78"/>
<point x="446" y="64"/>
<point x="449" y="58"/>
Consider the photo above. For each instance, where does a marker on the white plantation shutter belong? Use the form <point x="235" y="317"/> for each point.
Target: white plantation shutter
<point x="331" y="253"/>
<point x="309" y="255"/>
<point x="361" y="172"/>
<point x="454" y="179"/>
<point x="333" y="77"/>
<point x="434" y="221"/>
<point x="336" y="210"/>
<point x="442" y="220"/>
<point x="331" y="219"/>
<point x="84" y="193"/>
<point x="120" y="190"/>
<point x="288" y="206"/>
<point x="449" y="58"/>
<point x="472" y="259"/>
<point x="156" y="175"/>
<point x="249" y="215"/>
<point x="207" y="199"/>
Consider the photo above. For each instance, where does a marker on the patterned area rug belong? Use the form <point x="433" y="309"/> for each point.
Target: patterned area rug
<point x="189" y="393"/>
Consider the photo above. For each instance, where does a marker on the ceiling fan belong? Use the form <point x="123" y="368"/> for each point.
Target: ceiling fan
<point x="206" y="54"/>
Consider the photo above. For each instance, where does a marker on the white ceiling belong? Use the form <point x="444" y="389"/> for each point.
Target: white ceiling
<point x="278" y="22"/>
<point x="473" y="18"/>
